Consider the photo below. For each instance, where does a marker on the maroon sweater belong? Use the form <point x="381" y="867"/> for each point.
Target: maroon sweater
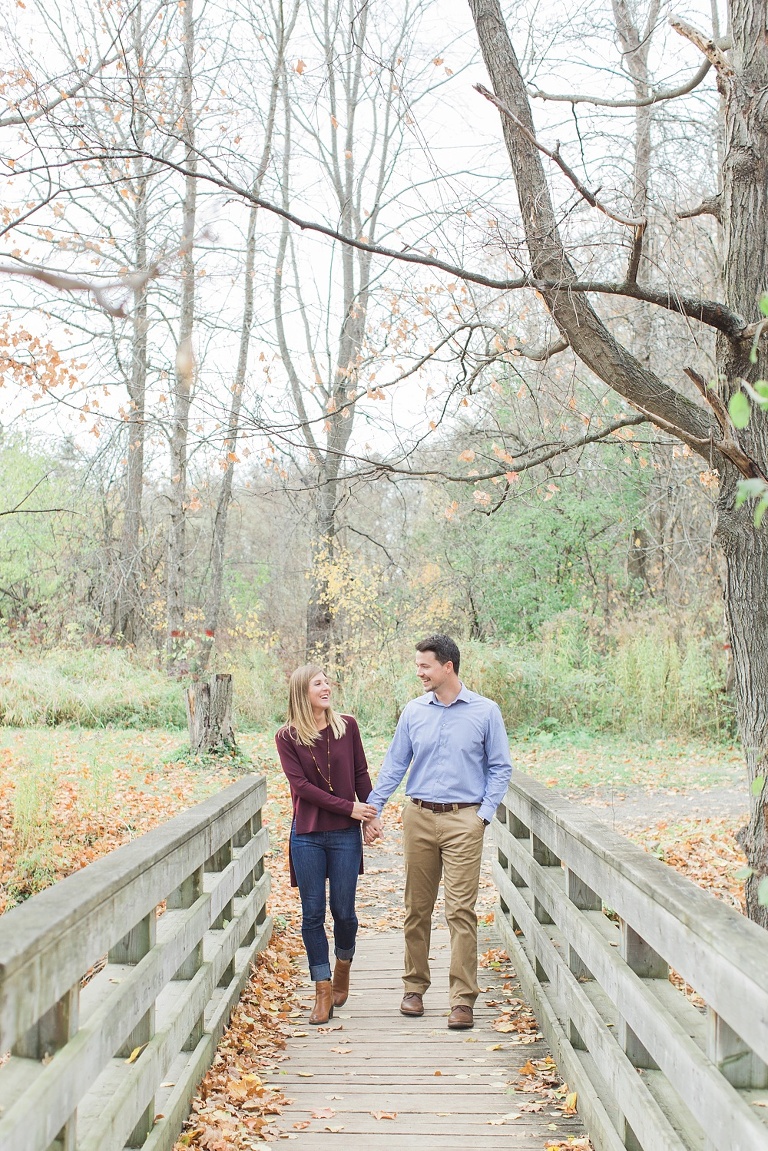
<point x="315" y="807"/>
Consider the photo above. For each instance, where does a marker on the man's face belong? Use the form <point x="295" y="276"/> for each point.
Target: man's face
<point x="431" y="672"/>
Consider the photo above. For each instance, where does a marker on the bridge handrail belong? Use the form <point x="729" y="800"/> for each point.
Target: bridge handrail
<point x="179" y="913"/>
<point x="593" y="925"/>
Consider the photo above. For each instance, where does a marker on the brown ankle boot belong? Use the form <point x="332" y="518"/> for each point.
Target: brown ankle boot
<point x="323" y="1009"/>
<point x="341" y="982"/>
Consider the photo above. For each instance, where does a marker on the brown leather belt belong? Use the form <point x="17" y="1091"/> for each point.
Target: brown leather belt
<point x="440" y="808"/>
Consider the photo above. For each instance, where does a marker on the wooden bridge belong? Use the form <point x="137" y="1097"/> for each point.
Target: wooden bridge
<point x="106" y="1055"/>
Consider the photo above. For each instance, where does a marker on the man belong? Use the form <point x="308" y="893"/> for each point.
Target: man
<point x="455" y="745"/>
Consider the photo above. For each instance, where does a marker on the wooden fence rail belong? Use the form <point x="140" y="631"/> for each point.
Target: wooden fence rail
<point x="593" y="925"/>
<point x="179" y="914"/>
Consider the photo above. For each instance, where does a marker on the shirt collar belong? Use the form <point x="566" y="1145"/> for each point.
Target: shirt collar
<point x="465" y="695"/>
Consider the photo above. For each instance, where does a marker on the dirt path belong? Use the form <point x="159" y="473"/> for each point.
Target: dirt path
<point x="629" y="808"/>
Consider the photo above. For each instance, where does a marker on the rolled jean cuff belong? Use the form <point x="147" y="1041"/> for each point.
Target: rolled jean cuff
<point x="319" y="973"/>
<point x="344" y="952"/>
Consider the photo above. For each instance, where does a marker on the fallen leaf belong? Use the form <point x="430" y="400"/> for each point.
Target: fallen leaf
<point x="384" y="1114"/>
<point x="323" y="1113"/>
<point x="135" y="1053"/>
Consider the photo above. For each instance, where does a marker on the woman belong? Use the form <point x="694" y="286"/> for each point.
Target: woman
<point x="322" y="755"/>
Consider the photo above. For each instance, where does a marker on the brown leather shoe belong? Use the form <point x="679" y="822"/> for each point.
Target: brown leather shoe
<point x="341" y="981"/>
<point x="461" y="1018"/>
<point x="412" y="1004"/>
<point x="323" y="1009"/>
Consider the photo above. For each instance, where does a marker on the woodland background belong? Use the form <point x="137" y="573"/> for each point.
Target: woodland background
<point x="248" y="444"/>
<point x="231" y="442"/>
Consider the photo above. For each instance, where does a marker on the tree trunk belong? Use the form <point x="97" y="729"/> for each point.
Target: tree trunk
<point x="358" y="176"/>
<point x="744" y="89"/>
<point x="743" y="84"/>
<point x="176" y="641"/>
<point x="320" y="639"/>
<point x="129" y="592"/>
<point x="209" y="715"/>
<point x="218" y="543"/>
<point x="219" y="540"/>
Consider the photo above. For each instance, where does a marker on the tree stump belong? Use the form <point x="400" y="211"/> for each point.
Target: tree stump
<point x="209" y="715"/>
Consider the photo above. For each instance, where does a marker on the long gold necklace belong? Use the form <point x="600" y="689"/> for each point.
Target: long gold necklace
<point x="317" y="765"/>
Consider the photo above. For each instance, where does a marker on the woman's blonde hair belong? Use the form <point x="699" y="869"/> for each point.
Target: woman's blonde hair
<point x="301" y="720"/>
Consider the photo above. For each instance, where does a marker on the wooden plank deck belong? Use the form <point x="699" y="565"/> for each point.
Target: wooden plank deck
<point x="443" y="1087"/>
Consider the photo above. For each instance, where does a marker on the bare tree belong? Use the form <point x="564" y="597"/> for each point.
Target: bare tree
<point x="742" y="73"/>
<point x="185" y="365"/>
<point x="354" y="134"/>
<point x="128" y="599"/>
<point x="280" y="32"/>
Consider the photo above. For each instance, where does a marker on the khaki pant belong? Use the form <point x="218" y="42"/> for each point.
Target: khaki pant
<point x="448" y="844"/>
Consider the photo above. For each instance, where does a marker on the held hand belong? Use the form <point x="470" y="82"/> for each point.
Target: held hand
<point x="373" y="831"/>
<point x="363" y="811"/>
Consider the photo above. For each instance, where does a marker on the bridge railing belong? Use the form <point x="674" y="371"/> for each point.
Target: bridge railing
<point x="593" y="925"/>
<point x="179" y="914"/>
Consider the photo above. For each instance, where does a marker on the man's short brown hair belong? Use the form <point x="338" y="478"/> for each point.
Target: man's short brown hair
<point x="443" y="647"/>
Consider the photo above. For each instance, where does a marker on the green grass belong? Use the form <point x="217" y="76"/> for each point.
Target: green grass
<point x="582" y="761"/>
<point x="640" y="683"/>
<point x="69" y="794"/>
<point x="569" y="760"/>
<point x="90" y="750"/>
<point x="579" y="759"/>
<point x="89" y="687"/>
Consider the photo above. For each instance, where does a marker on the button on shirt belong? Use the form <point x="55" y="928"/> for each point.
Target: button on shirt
<point x="457" y="753"/>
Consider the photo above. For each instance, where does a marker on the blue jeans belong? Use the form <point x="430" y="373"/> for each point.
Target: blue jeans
<point x="335" y="856"/>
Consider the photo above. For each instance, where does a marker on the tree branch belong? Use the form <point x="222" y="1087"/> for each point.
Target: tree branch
<point x="729" y="445"/>
<point x="541" y="355"/>
<point x="29" y="118"/>
<point x="515" y="464"/>
<point x="644" y="102"/>
<point x="636" y="253"/>
<point x="581" y="188"/>
<point x="131" y="282"/>
<point x="589" y="336"/>
<point x="707" y="45"/>
<point x="709" y="312"/>
<point x="709" y="207"/>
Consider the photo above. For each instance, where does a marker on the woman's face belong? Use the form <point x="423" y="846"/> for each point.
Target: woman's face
<point x="319" y="691"/>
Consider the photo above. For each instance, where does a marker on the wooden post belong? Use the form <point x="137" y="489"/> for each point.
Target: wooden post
<point x="734" y="1058"/>
<point x="131" y="949"/>
<point x="648" y="964"/>
<point x="184" y="896"/>
<point x="221" y="859"/>
<point x="209" y="715"/>
<point x="545" y="858"/>
<point x="583" y="897"/>
<point x="52" y="1032"/>
<point x="241" y="840"/>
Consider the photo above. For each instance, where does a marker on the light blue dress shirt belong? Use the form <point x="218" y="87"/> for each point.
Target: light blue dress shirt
<point x="457" y="753"/>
